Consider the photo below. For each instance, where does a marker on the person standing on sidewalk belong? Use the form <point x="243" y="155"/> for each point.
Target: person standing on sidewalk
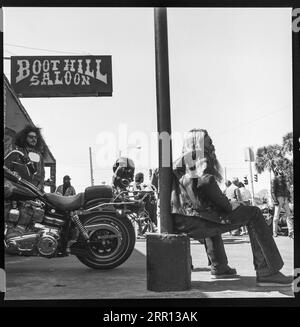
<point x="245" y="194"/>
<point x="201" y="210"/>
<point x="246" y="200"/>
<point x="138" y="184"/>
<point x="281" y="198"/>
<point x="66" y="188"/>
<point x="233" y="194"/>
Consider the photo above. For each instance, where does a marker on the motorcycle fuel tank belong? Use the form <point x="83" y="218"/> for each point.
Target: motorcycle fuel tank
<point x="14" y="191"/>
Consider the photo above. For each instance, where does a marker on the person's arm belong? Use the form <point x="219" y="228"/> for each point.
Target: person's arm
<point x="58" y="190"/>
<point x="73" y="191"/>
<point x="212" y="191"/>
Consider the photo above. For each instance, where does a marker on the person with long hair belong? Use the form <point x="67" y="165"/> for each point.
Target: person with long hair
<point x="202" y="211"/>
<point x="29" y="140"/>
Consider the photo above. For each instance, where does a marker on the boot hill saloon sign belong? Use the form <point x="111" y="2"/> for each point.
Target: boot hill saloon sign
<point x="61" y="76"/>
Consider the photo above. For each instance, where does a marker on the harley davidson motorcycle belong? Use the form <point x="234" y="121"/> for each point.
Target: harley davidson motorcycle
<point x="92" y="225"/>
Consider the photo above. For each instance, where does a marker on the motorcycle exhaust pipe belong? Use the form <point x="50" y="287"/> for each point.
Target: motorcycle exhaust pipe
<point x="22" y="237"/>
<point x="15" y="243"/>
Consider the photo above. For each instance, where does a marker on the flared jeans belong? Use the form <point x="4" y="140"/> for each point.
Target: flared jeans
<point x="266" y="257"/>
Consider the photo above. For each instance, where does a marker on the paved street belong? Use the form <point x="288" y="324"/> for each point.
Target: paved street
<point x="67" y="278"/>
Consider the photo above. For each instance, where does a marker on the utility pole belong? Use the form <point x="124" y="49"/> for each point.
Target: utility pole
<point x="168" y="255"/>
<point x="163" y="117"/>
<point x="249" y="156"/>
<point x="91" y="167"/>
<point x="251" y="180"/>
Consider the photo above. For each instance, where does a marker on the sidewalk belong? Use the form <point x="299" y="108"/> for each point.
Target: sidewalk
<point x="40" y="278"/>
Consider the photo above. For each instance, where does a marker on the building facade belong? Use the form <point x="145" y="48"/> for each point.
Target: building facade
<point x="15" y="118"/>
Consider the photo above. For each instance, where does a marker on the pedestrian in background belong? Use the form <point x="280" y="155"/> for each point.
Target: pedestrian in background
<point x="281" y="198"/>
<point x="138" y="184"/>
<point x="66" y="189"/>
<point x="245" y="194"/>
<point x="233" y="194"/>
<point x="246" y="200"/>
<point x="150" y="200"/>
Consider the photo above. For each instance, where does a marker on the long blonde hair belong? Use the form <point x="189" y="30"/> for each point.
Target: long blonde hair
<point x="199" y="147"/>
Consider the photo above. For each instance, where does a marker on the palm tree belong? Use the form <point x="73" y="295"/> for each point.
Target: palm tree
<point x="272" y="157"/>
<point x="267" y="158"/>
<point x="287" y="143"/>
<point x="287" y="146"/>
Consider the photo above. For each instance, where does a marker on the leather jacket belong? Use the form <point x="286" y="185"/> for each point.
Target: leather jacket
<point x="199" y="197"/>
<point x="279" y="188"/>
<point x="37" y="175"/>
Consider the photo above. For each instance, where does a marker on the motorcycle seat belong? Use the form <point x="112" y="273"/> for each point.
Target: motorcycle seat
<point x="65" y="203"/>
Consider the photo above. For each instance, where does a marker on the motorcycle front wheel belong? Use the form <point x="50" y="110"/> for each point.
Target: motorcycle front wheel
<point x="111" y="243"/>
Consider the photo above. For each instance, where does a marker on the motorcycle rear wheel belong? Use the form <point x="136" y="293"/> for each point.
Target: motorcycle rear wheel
<point x="112" y="244"/>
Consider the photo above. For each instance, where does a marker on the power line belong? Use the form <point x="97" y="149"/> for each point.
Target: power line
<point x="251" y="121"/>
<point x="48" y="50"/>
<point x="12" y="53"/>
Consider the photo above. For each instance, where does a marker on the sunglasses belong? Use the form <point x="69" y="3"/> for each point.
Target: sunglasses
<point x="32" y="136"/>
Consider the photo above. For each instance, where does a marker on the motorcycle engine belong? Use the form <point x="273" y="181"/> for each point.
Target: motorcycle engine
<point x="43" y="241"/>
<point x="47" y="242"/>
<point x="25" y="233"/>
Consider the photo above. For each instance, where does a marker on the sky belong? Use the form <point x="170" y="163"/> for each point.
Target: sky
<point x="230" y="73"/>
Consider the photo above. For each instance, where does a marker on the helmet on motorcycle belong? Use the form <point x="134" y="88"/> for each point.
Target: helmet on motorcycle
<point x="124" y="162"/>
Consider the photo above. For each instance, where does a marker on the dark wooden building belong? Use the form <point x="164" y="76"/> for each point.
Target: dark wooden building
<point x="15" y="118"/>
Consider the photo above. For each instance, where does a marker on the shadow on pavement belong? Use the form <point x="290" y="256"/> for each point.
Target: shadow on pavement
<point x="228" y="240"/>
<point x="242" y="283"/>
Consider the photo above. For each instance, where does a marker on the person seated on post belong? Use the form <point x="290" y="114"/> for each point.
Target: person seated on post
<point x="201" y="210"/>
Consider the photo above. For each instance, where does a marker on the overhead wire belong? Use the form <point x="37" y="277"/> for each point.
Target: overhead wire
<point x="241" y="125"/>
<point x="47" y="50"/>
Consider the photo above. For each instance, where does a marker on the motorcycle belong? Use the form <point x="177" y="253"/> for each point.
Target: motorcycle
<point x="92" y="225"/>
<point x="142" y="217"/>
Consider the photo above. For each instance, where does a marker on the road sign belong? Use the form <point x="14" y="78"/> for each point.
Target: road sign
<point x="249" y="154"/>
